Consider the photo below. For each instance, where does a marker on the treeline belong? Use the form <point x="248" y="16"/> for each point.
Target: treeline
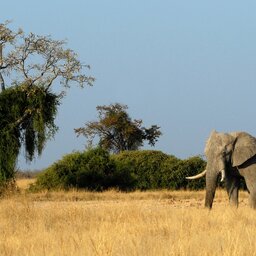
<point x="97" y="170"/>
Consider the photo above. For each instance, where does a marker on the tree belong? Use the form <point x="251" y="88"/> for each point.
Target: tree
<point x="117" y="131"/>
<point x="29" y="66"/>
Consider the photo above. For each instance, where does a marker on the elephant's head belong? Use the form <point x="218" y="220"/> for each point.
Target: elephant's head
<point x="223" y="152"/>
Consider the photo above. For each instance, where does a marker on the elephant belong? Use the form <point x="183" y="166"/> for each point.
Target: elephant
<point x="233" y="156"/>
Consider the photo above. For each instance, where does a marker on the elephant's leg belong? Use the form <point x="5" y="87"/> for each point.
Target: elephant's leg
<point x="249" y="174"/>
<point x="252" y="199"/>
<point x="232" y="185"/>
<point x="252" y="190"/>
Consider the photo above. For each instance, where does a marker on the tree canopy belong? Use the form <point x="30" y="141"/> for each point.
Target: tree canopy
<point x="117" y="131"/>
<point x="29" y="67"/>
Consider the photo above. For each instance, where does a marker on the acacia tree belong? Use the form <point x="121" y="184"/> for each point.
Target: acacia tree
<point x="29" y="67"/>
<point x="117" y="131"/>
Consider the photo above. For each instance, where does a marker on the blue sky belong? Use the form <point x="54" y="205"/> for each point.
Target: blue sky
<point x="187" y="66"/>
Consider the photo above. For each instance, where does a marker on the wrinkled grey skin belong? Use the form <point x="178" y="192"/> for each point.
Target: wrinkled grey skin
<point x="235" y="153"/>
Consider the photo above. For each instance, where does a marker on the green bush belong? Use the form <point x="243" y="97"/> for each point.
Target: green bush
<point x="92" y="170"/>
<point x="47" y="179"/>
<point x="145" y="167"/>
<point x="155" y="170"/>
<point x="192" y="166"/>
<point x="96" y="170"/>
<point x="176" y="173"/>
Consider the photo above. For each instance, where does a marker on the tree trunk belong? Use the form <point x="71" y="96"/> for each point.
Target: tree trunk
<point x="1" y="64"/>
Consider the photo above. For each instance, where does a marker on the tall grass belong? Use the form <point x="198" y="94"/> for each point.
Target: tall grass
<point x="112" y="223"/>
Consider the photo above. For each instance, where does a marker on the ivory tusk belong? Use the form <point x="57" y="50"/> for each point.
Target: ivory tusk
<point x="199" y="175"/>
<point x="222" y="175"/>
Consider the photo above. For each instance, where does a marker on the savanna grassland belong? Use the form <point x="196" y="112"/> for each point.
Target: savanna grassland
<point x="114" y="223"/>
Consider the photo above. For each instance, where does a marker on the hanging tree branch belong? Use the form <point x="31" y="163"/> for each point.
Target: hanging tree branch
<point x="30" y="65"/>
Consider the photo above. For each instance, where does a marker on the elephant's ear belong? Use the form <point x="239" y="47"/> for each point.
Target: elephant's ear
<point x="244" y="148"/>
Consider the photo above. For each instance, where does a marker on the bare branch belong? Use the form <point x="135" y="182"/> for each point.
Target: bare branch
<point x="40" y="60"/>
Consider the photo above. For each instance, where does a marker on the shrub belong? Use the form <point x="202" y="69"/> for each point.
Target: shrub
<point x="97" y="170"/>
<point x="192" y="166"/>
<point x="179" y="170"/>
<point x="156" y="170"/>
<point x="47" y="179"/>
<point x="92" y="170"/>
<point x="169" y="171"/>
<point x="144" y="165"/>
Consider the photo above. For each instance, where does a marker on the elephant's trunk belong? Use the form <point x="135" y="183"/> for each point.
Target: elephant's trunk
<point x="211" y="184"/>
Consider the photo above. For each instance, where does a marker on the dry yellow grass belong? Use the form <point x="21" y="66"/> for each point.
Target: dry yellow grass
<point x="112" y="223"/>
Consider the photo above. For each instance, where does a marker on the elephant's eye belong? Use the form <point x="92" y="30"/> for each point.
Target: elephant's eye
<point x="223" y="153"/>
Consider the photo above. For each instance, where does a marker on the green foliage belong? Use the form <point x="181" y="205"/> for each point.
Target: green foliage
<point x="176" y="171"/>
<point x="96" y="170"/>
<point x="27" y="107"/>
<point x="117" y="131"/>
<point x="48" y="179"/>
<point x="26" y="116"/>
<point x="192" y="166"/>
<point x="155" y="170"/>
<point x="92" y="170"/>
<point x="145" y="166"/>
